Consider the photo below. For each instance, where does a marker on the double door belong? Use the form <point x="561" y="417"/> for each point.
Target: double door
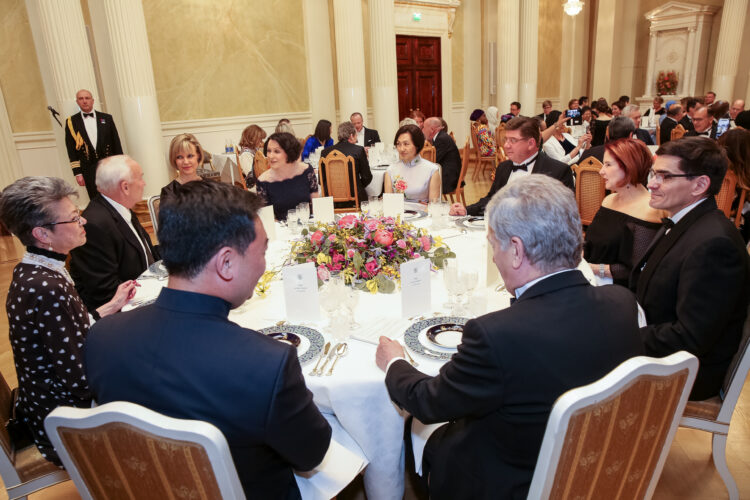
<point x="419" y="82"/>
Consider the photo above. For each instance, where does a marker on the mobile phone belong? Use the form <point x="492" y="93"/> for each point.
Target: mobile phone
<point x="572" y="113"/>
<point x="722" y="127"/>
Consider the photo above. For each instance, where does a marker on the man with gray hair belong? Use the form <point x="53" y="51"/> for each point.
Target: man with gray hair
<point x="117" y="247"/>
<point x="497" y="391"/>
<point x="347" y="136"/>
<point x="633" y="111"/>
<point x="619" y="127"/>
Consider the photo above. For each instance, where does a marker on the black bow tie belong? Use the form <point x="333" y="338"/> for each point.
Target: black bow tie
<point x="523" y="166"/>
<point x="86" y="115"/>
<point x="667" y="222"/>
<point x="513" y="300"/>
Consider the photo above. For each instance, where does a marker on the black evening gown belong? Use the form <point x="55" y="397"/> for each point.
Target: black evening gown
<point x="287" y="194"/>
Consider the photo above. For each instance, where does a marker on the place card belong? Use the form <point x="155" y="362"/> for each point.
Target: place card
<point x="323" y="210"/>
<point x="415" y="287"/>
<point x="301" y="292"/>
<point x="393" y="204"/>
<point x="266" y="217"/>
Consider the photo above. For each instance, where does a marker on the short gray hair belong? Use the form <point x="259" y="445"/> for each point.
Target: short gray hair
<point x="542" y="212"/>
<point x="27" y="203"/>
<point x="111" y="171"/>
<point x="407" y="121"/>
<point x="620" y="127"/>
<point x="346" y="129"/>
<point x="629" y="109"/>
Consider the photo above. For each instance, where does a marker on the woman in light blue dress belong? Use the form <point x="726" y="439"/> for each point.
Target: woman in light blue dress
<point x="417" y="178"/>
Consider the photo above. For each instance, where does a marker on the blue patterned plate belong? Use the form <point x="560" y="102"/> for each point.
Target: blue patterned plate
<point x="413" y="341"/>
<point x="471" y="222"/>
<point x="304" y="335"/>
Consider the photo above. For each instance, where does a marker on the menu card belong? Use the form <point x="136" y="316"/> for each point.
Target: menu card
<point x="301" y="292"/>
<point x="415" y="287"/>
<point x="323" y="209"/>
<point x="393" y="204"/>
<point x="266" y="217"/>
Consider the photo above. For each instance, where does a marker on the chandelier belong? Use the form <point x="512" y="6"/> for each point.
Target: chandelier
<point x="572" y="7"/>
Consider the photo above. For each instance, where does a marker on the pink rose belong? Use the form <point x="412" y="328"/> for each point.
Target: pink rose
<point x="332" y="238"/>
<point x="337" y="257"/>
<point x="426" y="243"/>
<point x="371" y="266"/>
<point x="401" y="243"/>
<point x="337" y="267"/>
<point x="316" y="237"/>
<point x="383" y="237"/>
<point x="323" y="274"/>
<point x="348" y="221"/>
<point x="371" y="225"/>
<point x="350" y="253"/>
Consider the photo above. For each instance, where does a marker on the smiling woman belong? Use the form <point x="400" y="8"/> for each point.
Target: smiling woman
<point x="185" y="155"/>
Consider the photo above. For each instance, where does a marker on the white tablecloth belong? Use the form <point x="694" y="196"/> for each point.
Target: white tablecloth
<point x="375" y="187"/>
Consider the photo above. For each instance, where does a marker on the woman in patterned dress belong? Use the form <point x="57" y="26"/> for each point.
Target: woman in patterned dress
<point x="47" y="320"/>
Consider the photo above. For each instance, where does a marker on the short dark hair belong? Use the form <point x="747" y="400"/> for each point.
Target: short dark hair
<point x="199" y="219"/>
<point x="674" y="110"/>
<point x="624" y="98"/>
<point x="633" y="157"/>
<point x="619" y="104"/>
<point x="620" y="127"/>
<point x="417" y="137"/>
<point x="323" y="131"/>
<point x="699" y="156"/>
<point x="288" y="143"/>
<point x="516" y="104"/>
<point x="529" y="127"/>
<point x="601" y="106"/>
<point x="583" y="98"/>
<point x="690" y="103"/>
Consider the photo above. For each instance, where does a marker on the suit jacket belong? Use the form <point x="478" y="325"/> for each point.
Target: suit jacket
<point x="643" y="136"/>
<point x="665" y="132"/>
<point x="83" y="159"/>
<point x="687" y="123"/>
<point x="182" y="357"/>
<point x="711" y="133"/>
<point x="543" y="165"/>
<point x="551" y="118"/>
<point x="449" y="159"/>
<point x="371" y="136"/>
<point x="694" y="289"/>
<point x="595" y="151"/>
<point x="111" y="255"/>
<point x="498" y="390"/>
<point x="361" y="165"/>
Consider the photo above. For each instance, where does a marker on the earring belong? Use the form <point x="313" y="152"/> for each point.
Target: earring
<point x="49" y="247"/>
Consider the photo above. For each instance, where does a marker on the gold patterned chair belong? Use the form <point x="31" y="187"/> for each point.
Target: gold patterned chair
<point x="481" y="163"/>
<point x="610" y="439"/>
<point x="122" y="450"/>
<point x="677" y="133"/>
<point x="260" y="164"/>
<point x="153" y="211"/>
<point x="338" y="179"/>
<point x="589" y="189"/>
<point x="725" y="196"/>
<point x="457" y="195"/>
<point x="428" y="152"/>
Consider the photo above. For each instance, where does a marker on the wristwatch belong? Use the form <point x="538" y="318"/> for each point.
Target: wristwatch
<point x="601" y="271"/>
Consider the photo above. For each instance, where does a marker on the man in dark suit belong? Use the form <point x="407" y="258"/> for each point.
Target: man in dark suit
<point x="183" y="357"/>
<point x="347" y="144"/>
<point x="496" y="393"/>
<point x="548" y="115"/>
<point x="366" y="137"/>
<point x="522" y="140"/>
<point x="689" y="105"/>
<point x="633" y="111"/>
<point x="703" y="124"/>
<point x="674" y="116"/>
<point x="694" y="280"/>
<point x="619" y="127"/>
<point x="117" y="247"/>
<point x="446" y="153"/>
<point x="89" y="137"/>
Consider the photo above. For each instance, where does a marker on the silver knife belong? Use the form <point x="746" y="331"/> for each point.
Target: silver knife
<point x="329" y="358"/>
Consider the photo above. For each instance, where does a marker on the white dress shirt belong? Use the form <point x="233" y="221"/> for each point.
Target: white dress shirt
<point x="125" y="214"/>
<point x="361" y="137"/>
<point x="90" y="124"/>
<point x="517" y="174"/>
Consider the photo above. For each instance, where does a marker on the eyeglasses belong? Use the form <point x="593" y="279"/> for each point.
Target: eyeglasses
<point x="76" y="219"/>
<point x="514" y="140"/>
<point x="660" y="177"/>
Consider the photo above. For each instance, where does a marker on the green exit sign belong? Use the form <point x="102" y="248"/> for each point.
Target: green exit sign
<point x="416" y="16"/>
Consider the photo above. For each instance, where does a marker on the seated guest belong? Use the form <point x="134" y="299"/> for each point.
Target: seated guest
<point x="674" y="116"/>
<point x="633" y="112"/>
<point x="625" y="224"/>
<point x="583" y="101"/>
<point x="347" y="145"/>
<point x="287" y="182"/>
<point x="417" y="178"/>
<point x="417" y="116"/>
<point x="321" y="138"/>
<point x="618" y="128"/>
<point x="703" y="124"/>
<point x="522" y="137"/>
<point x="625" y="100"/>
<point x="689" y="106"/>
<point x="655" y="111"/>
<point x="617" y="108"/>
<point x="185" y="155"/>
<point x="47" y="320"/>
<point x="485" y="142"/>
<point x="184" y="358"/>
<point x="694" y="281"/>
<point x="708" y="100"/>
<point x="736" y="144"/>
<point x="738" y="106"/>
<point x="446" y="153"/>
<point x="599" y="125"/>
<point x="563" y="147"/>
<point x="548" y="115"/>
<point x="250" y="143"/>
<point x="117" y="247"/>
<point x="284" y="126"/>
<point x="366" y="137"/>
<point x="497" y="391"/>
<point x="493" y="119"/>
<point x="515" y="109"/>
<point x="586" y="118"/>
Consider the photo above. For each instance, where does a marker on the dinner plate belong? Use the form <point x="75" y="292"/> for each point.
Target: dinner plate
<point x="416" y="339"/>
<point x="471" y="222"/>
<point x="158" y="268"/>
<point x="310" y="341"/>
<point x="410" y="214"/>
<point x="446" y="335"/>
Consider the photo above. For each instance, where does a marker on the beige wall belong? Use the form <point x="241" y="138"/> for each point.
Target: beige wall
<point x="20" y="78"/>
<point x="457" y="57"/>
<point x="216" y="58"/>
<point x="549" y="50"/>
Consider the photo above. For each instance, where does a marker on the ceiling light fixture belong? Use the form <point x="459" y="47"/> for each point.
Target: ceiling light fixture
<point x="572" y="7"/>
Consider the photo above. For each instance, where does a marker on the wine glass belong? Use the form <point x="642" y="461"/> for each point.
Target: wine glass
<point x="364" y="207"/>
<point x="292" y="221"/>
<point x="450" y="278"/>
<point x="351" y="300"/>
<point x="303" y="213"/>
<point x="469" y="279"/>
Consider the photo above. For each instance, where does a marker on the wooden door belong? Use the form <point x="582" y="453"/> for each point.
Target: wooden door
<point x="419" y="78"/>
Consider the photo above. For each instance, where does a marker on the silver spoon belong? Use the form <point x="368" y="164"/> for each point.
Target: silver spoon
<point x="340" y="351"/>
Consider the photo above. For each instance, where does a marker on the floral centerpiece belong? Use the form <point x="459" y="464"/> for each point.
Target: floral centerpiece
<point x="666" y="83"/>
<point x="367" y="251"/>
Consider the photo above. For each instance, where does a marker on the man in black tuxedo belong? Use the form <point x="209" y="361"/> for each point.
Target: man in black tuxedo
<point x="548" y="115"/>
<point x="522" y="141"/>
<point x="694" y="280"/>
<point x="703" y="124"/>
<point x="366" y="137"/>
<point x="446" y="153"/>
<point x="89" y="137"/>
<point x="559" y="333"/>
<point x="183" y="357"/>
<point x="347" y="144"/>
<point x="117" y="247"/>
<point x="619" y="127"/>
<point x="674" y="116"/>
<point x="689" y="105"/>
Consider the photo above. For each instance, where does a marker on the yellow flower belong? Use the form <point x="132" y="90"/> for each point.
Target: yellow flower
<point x="323" y="258"/>
<point x="372" y="285"/>
<point x="438" y="241"/>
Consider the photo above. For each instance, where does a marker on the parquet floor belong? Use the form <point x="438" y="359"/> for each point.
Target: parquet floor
<point x="689" y="473"/>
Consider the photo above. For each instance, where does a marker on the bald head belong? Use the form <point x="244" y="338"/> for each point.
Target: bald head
<point x="431" y="126"/>
<point x="737" y="107"/>
<point x="85" y="100"/>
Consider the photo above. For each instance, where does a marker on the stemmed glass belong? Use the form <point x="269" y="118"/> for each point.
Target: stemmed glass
<point x="351" y="300"/>
<point x="292" y="221"/>
<point x="468" y="279"/>
<point x="303" y="213"/>
<point x="450" y="278"/>
<point x="364" y="207"/>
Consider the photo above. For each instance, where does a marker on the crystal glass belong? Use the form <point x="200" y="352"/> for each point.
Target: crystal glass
<point x="303" y="213"/>
<point x="351" y="301"/>
<point x="450" y="279"/>
<point x="292" y="221"/>
<point x="364" y="207"/>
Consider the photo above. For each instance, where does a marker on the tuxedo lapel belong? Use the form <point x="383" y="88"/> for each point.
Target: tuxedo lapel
<point x="124" y="229"/>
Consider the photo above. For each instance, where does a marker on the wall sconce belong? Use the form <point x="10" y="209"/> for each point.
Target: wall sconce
<point x="572" y="7"/>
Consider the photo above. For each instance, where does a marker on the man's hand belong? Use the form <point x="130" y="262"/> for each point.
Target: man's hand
<point x="457" y="209"/>
<point x="387" y="350"/>
<point x="79" y="180"/>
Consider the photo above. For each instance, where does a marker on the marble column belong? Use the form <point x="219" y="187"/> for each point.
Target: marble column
<point x="320" y="71"/>
<point x="350" y="57"/>
<point x="383" y="67"/>
<point x="690" y="62"/>
<point x="528" y="57"/>
<point x="650" y="77"/>
<point x="728" y="48"/>
<point x="508" y="22"/>
<point x="134" y="74"/>
<point x="10" y="162"/>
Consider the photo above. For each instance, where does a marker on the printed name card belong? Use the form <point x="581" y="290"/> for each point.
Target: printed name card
<point x="415" y="287"/>
<point x="301" y="292"/>
<point x="266" y="217"/>
<point x="393" y="204"/>
<point x="323" y="209"/>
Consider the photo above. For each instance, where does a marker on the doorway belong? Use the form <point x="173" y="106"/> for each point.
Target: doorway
<point x="419" y="77"/>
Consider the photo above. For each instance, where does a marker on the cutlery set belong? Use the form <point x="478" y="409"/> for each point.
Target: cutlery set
<point x="329" y="354"/>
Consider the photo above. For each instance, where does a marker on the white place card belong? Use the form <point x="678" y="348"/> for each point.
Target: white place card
<point x="266" y="217"/>
<point x="301" y="292"/>
<point x="415" y="287"/>
<point x="393" y="204"/>
<point x="323" y="209"/>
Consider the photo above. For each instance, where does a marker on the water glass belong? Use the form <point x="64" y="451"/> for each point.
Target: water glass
<point x="292" y="221"/>
<point x="364" y="207"/>
<point x="303" y="213"/>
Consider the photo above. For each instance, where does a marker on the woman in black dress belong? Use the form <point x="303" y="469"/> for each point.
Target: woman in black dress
<point x="185" y="156"/>
<point x="47" y="320"/>
<point x="625" y="224"/>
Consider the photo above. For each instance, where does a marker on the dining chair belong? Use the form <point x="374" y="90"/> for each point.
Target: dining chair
<point x="714" y="415"/>
<point x="338" y="179"/>
<point x="153" y="211"/>
<point x="658" y="134"/>
<point x="610" y="439"/>
<point x="123" y="450"/>
<point x="725" y="196"/>
<point x="241" y="158"/>
<point x="480" y="162"/>
<point x="500" y="135"/>
<point x="453" y="137"/>
<point x="428" y="152"/>
<point x="678" y="132"/>
<point x="260" y="164"/>
<point x="590" y="190"/>
<point x="743" y="197"/>
<point x="23" y="469"/>
<point x="458" y="193"/>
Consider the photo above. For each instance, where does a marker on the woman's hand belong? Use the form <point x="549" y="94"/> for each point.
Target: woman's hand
<point x="124" y="293"/>
<point x="584" y="141"/>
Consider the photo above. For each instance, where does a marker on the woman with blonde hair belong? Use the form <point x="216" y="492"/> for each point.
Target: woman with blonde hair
<point x="186" y="156"/>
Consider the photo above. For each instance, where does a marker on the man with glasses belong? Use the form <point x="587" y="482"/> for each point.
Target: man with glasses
<point x="693" y="281"/>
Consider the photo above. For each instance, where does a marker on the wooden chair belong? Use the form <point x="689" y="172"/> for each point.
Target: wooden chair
<point x="726" y="194"/>
<point x="428" y="152"/>
<point x="453" y="137"/>
<point x="480" y="162"/>
<point x="610" y="439"/>
<point x="714" y="415"/>
<point x="123" y="450"/>
<point x="738" y="215"/>
<point x="23" y="469"/>
<point x="677" y="132"/>
<point x="153" y="211"/>
<point x="260" y="164"/>
<point x="500" y="154"/>
<point x="339" y="179"/>
<point x="458" y="193"/>
<point x="500" y="135"/>
<point x="590" y="190"/>
<point x="658" y="134"/>
<point x="240" y="180"/>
